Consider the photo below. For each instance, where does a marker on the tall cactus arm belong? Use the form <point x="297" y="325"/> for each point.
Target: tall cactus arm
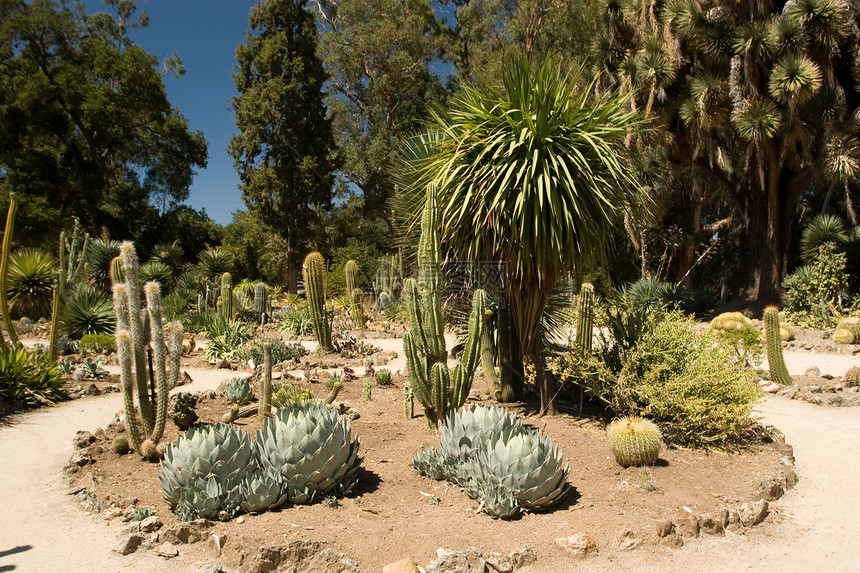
<point x="465" y="371"/>
<point x="55" y="321"/>
<point x="159" y="358"/>
<point x="131" y="271"/>
<point x="174" y="342"/>
<point x="266" y="384"/>
<point x="776" y="362"/>
<point x="416" y="317"/>
<point x="440" y="381"/>
<point x="123" y="341"/>
<point x="585" y="319"/>
<point x="4" y="270"/>
<point x="417" y="369"/>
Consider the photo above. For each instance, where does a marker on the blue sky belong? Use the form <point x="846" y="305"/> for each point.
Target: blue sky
<point x="205" y="33"/>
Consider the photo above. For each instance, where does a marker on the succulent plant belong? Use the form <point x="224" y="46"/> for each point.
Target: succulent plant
<point x="585" y="319"/>
<point x="776" y="362"/>
<point x="634" y="441"/>
<point x="314" y="275"/>
<point x="383" y="376"/>
<point x="851" y="323"/>
<point x="852" y="377"/>
<point x="238" y="391"/>
<point x="220" y="453"/>
<point x="368" y="389"/>
<point x="843" y="336"/>
<point x="287" y="394"/>
<point x="313" y="449"/>
<point x="497" y="460"/>
<point x="786" y="332"/>
<point x="731" y="321"/>
<point x="209" y="498"/>
<point x="408" y="401"/>
<point x="182" y="409"/>
<point x="469" y="429"/>
<point x="263" y="490"/>
<point x="120" y="445"/>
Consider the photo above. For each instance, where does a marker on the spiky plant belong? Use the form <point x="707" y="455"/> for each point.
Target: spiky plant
<point x="822" y="229"/>
<point x="635" y="441"/>
<point x="314" y="274"/>
<point x="99" y="257"/>
<point x="239" y="391"/>
<point x="30" y="377"/>
<point x="157" y="271"/>
<point x="31" y="282"/>
<point x="87" y="312"/>
<point x="775" y="360"/>
<point x="214" y="261"/>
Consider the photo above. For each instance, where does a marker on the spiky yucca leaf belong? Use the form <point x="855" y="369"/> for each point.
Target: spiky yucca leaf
<point x="822" y="229"/>
<point x="794" y="78"/>
<point x="214" y="261"/>
<point x="759" y="120"/>
<point x="100" y="253"/>
<point x="30" y="282"/>
<point x="825" y="22"/>
<point x="87" y="312"/>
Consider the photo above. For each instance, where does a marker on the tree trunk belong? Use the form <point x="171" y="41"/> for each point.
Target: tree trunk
<point x="292" y="273"/>
<point x="510" y="358"/>
<point x="528" y="298"/>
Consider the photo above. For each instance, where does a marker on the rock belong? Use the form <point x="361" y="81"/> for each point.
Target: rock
<point x="190" y="532"/>
<point x="714" y="524"/>
<point x="813" y="372"/>
<point x="734" y="520"/>
<point x="522" y="557"/>
<point x="772" y="488"/>
<point x="167" y="550"/>
<point x="815" y="389"/>
<point x="579" y="545"/>
<point x="183" y="379"/>
<point x="770" y="387"/>
<point x="626" y="540"/>
<point x="112" y="514"/>
<point x="837" y="400"/>
<point x="150" y="524"/>
<point x="83" y="439"/>
<point x="78" y="375"/>
<point x="468" y="561"/>
<point x="753" y="513"/>
<point x="211" y="568"/>
<point x="215" y="544"/>
<point x="128" y="544"/>
<point x="92" y="390"/>
<point x="665" y="528"/>
<point x="674" y="541"/>
<point x="300" y="556"/>
<point x="686" y="524"/>
<point x="80" y="458"/>
<point x="405" y="565"/>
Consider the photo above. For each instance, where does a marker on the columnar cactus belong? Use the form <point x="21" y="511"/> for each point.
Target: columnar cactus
<point x="585" y="319"/>
<point x="226" y="296"/>
<point x="408" y="401"/>
<point x="266" y="385"/>
<point x="261" y="301"/>
<point x="313" y="272"/>
<point x="775" y="361"/>
<point x="4" y="270"/>
<point x="350" y="271"/>
<point x="72" y="262"/>
<point x="132" y="339"/>
<point x="424" y="346"/>
<point x="358" y="308"/>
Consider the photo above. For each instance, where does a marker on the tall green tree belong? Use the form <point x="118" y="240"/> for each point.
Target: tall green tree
<point x="86" y="129"/>
<point x="378" y="54"/>
<point x="765" y="104"/>
<point x="284" y="151"/>
<point x="532" y="173"/>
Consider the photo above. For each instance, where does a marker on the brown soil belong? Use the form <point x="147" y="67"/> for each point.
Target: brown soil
<point x="391" y="513"/>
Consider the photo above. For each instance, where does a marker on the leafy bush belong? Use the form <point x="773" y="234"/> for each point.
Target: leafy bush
<point x="197" y="321"/>
<point x="814" y="293"/>
<point x="296" y="321"/>
<point x="87" y="312"/>
<point x="29" y="376"/>
<point x="281" y="351"/>
<point x="689" y="384"/>
<point x="225" y="338"/>
<point x="30" y="282"/>
<point x="97" y="343"/>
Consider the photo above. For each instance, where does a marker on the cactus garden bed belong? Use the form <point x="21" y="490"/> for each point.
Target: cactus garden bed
<point x="393" y="513"/>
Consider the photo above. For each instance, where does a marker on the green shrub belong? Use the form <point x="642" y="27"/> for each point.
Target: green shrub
<point x="87" y="312"/>
<point x="30" y="283"/>
<point x="296" y="321"/>
<point x="29" y="376"/>
<point x="690" y="384"/>
<point x="281" y="351"/>
<point x="813" y="294"/>
<point x="97" y="343"/>
<point x="225" y="338"/>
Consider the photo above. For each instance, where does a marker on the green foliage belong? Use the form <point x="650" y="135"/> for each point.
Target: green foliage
<point x="737" y="332"/>
<point x="296" y="321"/>
<point x="822" y="229"/>
<point x="99" y="256"/>
<point x="97" y="343"/>
<point x="158" y="271"/>
<point x="497" y="460"/>
<point x="87" y="125"/>
<point x="30" y="282"/>
<point x="281" y="351"/>
<point x="87" y="312"/>
<point x="287" y="394"/>
<point x="383" y="377"/>
<point x="364" y="255"/>
<point x="31" y="377"/>
<point x="688" y="383"/>
<point x="634" y="441"/>
<point x="226" y="338"/>
<point x="238" y="391"/>
<point x="814" y="293"/>
<point x="214" y="262"/>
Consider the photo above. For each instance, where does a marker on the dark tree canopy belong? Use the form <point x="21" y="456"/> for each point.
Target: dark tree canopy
<point x="86" y="129"/>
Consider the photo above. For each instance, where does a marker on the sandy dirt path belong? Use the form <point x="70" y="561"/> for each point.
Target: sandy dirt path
<point x="812" y="528"/>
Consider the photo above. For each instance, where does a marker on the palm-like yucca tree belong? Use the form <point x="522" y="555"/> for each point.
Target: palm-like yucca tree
<point x="31" y="282"/>
<point x="214" y="261"/>
<point x="532" y="173"/>
<point x="100" y="253"/>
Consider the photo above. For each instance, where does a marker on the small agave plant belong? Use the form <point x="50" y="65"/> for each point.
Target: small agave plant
<point x="497" y="460"/>
<point x="239" y="391"/>
<point x="312" y="447"/>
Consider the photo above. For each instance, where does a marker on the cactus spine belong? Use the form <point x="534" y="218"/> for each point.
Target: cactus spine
<point x="261" y="302"/>
<point x="226" y="296"/>
<point x="266" y="384"/>
<point x="313" y="272"/>
<point x="424" y="345"/>
<point x="133" y="337"/>
<point x="585" y="319"/>
<point x="634" y="441"/>
<point x="775" y="361"/>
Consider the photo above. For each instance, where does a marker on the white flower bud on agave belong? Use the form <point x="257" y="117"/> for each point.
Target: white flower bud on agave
<point x="313" y="449"/>
<point x="217" y="451"/>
